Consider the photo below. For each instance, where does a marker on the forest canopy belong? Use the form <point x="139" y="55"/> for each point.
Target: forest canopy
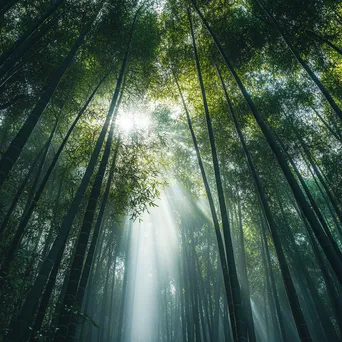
<point x="170" y="170"/>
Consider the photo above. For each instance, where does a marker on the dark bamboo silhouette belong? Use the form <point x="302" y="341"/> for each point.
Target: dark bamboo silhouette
<point x="335" y="299"/>
<point x="32" y="300"/>
<point x="297" y="313"/>
<point x="27" y="35"/>
<point x="300" y="60"/>
<point x="15" y="148"/>
<point x="11" y="102"/>
<point x="20" y="230"/>
<point x="314" y="206"/>
<point x="277" y="315"/>
<point x="239" y="235"/>
<point x="23" y="49"/>
<point x="6" y="6"/>
<point x="239" y="322"/>
<point x="82" y="243"/>
<point x="46" y="297"/>
<point x="212" y="210"/>
<point x="244" y="277"/>
<point x="91" y="252"/>
<point x="28" y="212"/>
<point x="299" y="196"/>
<point x="321" y="178"/>
<point x="325" y="40"/>
<point x="295" y="255"/>
<point x="20" y="190"/>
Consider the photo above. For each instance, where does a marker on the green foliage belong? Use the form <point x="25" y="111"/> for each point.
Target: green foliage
<point x="152" y="158"/>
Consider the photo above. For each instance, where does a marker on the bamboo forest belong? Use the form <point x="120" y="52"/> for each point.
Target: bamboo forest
<point x="170" y="170"/>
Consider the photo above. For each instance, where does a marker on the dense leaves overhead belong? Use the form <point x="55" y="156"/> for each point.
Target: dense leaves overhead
<point x="233" y="106"/>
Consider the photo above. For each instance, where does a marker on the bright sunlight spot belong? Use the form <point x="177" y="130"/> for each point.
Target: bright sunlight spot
<point x="125" y="124"/>
<point x="133" y="122"/>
